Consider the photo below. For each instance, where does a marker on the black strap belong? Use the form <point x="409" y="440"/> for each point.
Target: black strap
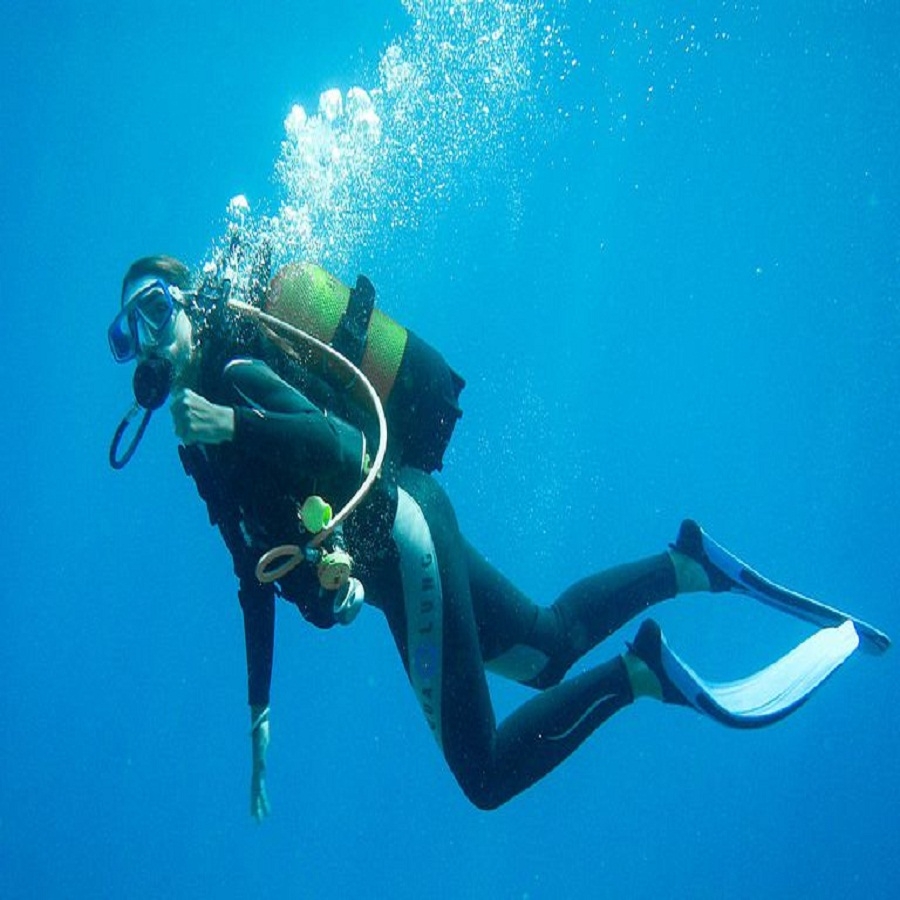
<point x="350" y="335"/>
<point x="224" y="513"/>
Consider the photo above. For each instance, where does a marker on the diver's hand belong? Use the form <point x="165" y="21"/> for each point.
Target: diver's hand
<point x="197" y="421"/>
<point x="259" y="735"/>
<point x="259" y="800"/>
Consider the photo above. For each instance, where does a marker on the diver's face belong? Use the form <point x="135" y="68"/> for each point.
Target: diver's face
<point x="152" y="324"/>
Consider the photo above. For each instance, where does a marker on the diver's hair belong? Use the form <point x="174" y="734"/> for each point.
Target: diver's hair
<point x="168" y="267"/>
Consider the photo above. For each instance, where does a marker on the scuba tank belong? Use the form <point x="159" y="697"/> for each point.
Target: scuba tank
<point x="419" y="390"/>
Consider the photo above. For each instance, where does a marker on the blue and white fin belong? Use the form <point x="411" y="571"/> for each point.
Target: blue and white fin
<point x="759" y="699"/>
<point x="750" y="582"/>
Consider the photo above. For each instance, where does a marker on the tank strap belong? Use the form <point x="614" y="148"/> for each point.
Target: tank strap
<point x="350" y="335"/>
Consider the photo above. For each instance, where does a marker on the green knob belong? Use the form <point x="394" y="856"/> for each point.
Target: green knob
<point x="315" y="514"/>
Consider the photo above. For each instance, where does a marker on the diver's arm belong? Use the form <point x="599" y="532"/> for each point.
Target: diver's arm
<point x="258" y="606"/>
<point x="272" y="417"/>
<point x="274" y="421"/>
<point x="266" y="417"/>
<point x="270" y="411"/>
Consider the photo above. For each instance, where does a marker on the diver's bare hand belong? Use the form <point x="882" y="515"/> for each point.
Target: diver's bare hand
<point x="197" y="421"/>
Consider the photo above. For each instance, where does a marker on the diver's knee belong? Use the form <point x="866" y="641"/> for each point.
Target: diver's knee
<point x="550" y="676"/>
<point x="481" y="794"/>
<point x="552" y="636"/>
<point x="474" y="770"/>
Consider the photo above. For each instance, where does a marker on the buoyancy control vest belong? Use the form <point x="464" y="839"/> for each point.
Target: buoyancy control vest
<point x="419" y="390"/>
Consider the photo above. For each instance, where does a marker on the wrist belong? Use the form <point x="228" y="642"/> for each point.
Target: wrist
<point x="228" y="422"/>
<point x="259" y="715"/>
<point x="220" y="424"/>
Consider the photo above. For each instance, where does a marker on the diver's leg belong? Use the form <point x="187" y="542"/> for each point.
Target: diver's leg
<point x="537" y="645"/>
<point x="445" y="665"/>
<point x="590" y="610"/>
<point x="516" y="636"/>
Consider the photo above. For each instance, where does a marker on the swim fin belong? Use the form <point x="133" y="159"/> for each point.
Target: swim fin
<point x="730" y="573"/>
<point x="760" y="699"/>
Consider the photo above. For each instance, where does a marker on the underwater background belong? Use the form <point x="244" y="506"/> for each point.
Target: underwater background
<point x="659" y="240"/>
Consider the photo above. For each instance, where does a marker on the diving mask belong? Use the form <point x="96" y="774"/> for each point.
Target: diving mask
<point x="145" y="320"/>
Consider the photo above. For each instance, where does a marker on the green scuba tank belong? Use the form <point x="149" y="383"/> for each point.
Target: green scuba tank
<point x="419" y="390"/>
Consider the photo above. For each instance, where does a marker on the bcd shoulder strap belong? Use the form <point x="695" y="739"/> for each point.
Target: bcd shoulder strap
<point x="350" y="335"/>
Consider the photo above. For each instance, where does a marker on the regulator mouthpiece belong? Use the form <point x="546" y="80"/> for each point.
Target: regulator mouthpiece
<point x="152" y="382"/>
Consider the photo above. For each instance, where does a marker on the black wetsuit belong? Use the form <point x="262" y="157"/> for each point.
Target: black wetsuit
<point x="451" y="613"/>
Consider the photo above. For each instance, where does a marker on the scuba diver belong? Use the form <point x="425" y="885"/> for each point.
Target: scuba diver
<point x="300" y="398"/>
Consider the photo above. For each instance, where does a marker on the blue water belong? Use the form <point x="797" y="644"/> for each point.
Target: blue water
<point x="660" y="240"/>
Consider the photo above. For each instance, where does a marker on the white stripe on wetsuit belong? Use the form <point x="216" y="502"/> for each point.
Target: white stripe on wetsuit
<point x="424" y="604"/>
